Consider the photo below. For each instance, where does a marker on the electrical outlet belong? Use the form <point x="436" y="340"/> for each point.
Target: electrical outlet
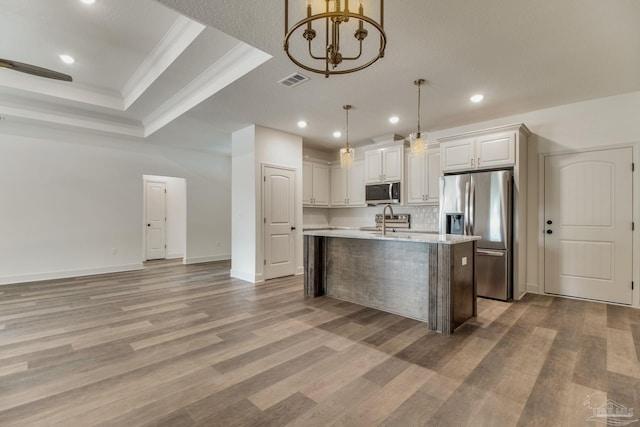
<point x="464" y="260"/>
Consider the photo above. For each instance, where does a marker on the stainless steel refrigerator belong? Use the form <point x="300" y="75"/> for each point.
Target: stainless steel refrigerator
<point x="480" y="204"/>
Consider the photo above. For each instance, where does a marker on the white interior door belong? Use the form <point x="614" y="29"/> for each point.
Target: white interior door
<point x="279" y="222"/>
<point x="588" y="225"/>
<point x="156" y="221"/>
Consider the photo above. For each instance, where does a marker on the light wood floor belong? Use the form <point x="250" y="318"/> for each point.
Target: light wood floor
<point x="178" y="345"/>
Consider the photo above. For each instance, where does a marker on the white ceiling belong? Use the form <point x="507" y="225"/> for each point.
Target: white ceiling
<point x="135" y="79"/>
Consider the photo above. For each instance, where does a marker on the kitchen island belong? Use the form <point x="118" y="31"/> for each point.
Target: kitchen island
<point x="425" y="276"/>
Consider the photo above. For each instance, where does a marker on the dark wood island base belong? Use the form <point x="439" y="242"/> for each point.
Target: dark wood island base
<point x="428" y="279"/>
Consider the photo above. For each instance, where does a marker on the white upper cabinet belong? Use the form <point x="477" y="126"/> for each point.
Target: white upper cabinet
<point x="481" y="152"/>
<point x="315" y="184"/>
<point x="423" y="177"/>
<point x="355" y="191"/>
<point x="384" y="164"/>
<point x="496" y="150"/>
<point x="347" y="185"/>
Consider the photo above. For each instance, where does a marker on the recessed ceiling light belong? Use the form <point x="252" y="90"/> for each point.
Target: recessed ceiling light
<point x="337" y="134"/>
<point x="67" y="59"/>
<point x="477" y="98"/>
<point x="302" y="124"/>
<point x="394" y="119"/>
<point x="88" y="1"/>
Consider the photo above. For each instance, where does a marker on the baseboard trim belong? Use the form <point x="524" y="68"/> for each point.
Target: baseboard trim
<point x="247" y="277"/>
<point x="299" y="271"/>
<point x="175" y="256"/>
<point x="53" y="275"/>
<point x="533" y="288"/>
<point x="201" y="259"/>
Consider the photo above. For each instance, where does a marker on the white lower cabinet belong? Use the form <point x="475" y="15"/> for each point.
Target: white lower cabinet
<point x="423" y="177"/>
<point x="347" y="185"/>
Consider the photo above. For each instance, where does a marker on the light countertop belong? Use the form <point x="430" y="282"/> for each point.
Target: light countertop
<point x="405" y="236"/>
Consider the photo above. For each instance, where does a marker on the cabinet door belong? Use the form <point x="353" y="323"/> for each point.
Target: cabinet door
<point x="496" y="150"/>
<point x="307" y="183"/>
<point x="392" y="163"/>
<point x="320" y="185"/>
<point x="355" y="185"/>
<point x="373" y="166"/>
<point x="338" y="186"/>
<point x="457" y="155"/>
<point x="415" y="179"/>
<point x="433" y="176"/>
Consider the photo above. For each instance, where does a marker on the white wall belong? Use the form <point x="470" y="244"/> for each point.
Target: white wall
<point x="69" y="199"/>
<point x="277" y="148"/>
<point x="243" y="205"/>
<point x="252" y="148"/>
<point x="176" y="210"/>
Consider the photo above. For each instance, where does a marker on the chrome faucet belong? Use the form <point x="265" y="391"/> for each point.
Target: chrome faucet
<point x="384" y="218"/>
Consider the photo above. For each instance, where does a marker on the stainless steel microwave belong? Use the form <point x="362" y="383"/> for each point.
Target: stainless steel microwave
<point x="380" y="194"/>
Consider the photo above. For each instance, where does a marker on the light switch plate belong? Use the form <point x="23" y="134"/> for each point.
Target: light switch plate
<point x="464" y="260"/>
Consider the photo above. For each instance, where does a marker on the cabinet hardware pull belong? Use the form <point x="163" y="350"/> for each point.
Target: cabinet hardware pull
<point x="472" y="162"/>
<point x="478" y="161"/>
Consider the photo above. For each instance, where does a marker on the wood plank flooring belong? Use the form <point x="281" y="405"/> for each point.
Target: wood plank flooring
<point x="177" y="345"/>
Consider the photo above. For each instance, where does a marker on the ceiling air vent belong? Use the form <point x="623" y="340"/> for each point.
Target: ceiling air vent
<point x="294" y="80"/>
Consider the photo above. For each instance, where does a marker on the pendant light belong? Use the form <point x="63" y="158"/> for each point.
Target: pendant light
<point x="417" y="141"/>
<point x="347" y="154"/>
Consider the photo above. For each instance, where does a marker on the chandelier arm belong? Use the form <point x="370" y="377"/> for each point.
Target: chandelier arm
<point x="321" y="58"/>
<point x="352" y="58"/>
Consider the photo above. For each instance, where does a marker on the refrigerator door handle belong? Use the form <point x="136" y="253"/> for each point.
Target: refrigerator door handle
<point x="490" y="253"/>
<point x="472" y="202"/>
<point x="466" y="208"/>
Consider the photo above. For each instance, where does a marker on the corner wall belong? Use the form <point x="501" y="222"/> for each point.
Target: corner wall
<point x="253" y="147"/>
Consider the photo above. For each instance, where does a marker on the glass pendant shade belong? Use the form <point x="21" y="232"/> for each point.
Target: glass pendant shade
<point x="417" y="144"/>
<point x="346" y="157"/>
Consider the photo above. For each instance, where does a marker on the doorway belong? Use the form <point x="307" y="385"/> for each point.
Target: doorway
<point x="588" y="217"/>
<point x="279" y="221"/>
<point x="164" y="218"/>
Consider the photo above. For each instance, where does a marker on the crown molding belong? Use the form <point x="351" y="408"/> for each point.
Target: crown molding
<point x="180" y="36"/>
<point x="72" y="120"/>
<point x="234" y="64"/>
<point x="64" y="90"/>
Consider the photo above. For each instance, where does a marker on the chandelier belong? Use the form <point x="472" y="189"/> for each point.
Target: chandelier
<point x="326" y="55"/>
<point x="418" y="143"/>
<point x="347" y="155"/>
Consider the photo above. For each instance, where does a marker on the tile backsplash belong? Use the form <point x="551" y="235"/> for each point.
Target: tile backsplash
<point x="422" y="217"/>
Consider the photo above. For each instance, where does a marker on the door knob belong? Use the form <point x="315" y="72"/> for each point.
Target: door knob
<point x="148" y="225"/>
<point x="293" y="228"/>
<point x="549" y="232"/>
<point x="549" y="222"/>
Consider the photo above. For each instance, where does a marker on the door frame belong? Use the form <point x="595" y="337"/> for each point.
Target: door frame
<point x="183" y="224"/>
<point x="635" y="194"/>
<point x="261" y="227"/>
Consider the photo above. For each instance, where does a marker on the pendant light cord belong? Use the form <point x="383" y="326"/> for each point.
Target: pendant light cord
<point x="419" y="84"/>
<point x="347" y="108"/>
